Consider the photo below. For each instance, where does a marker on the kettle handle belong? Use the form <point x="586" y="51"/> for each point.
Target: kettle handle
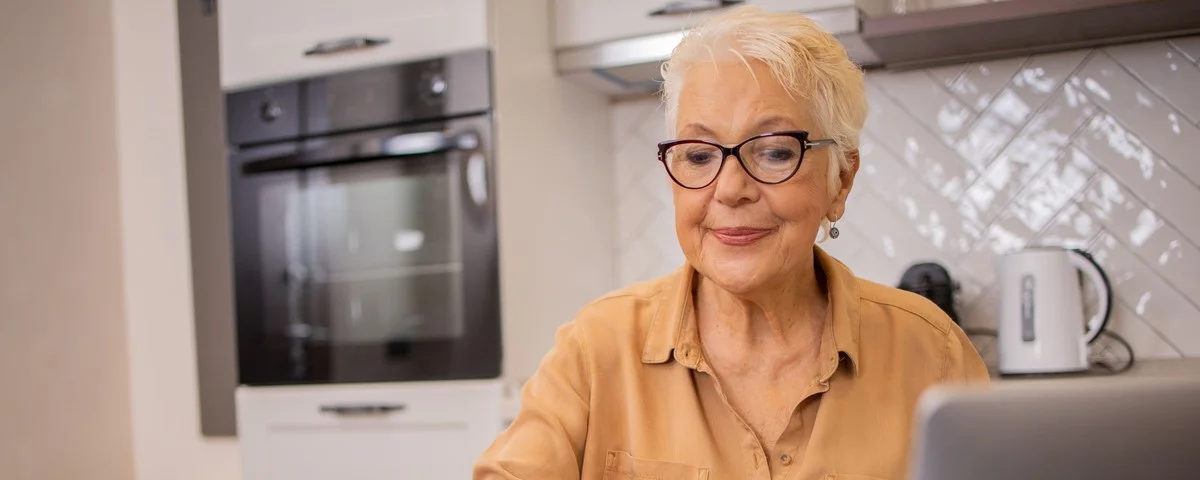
<point x="1083" y="261"/>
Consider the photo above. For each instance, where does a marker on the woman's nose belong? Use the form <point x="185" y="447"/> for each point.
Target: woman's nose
<point x="734" y="185"/>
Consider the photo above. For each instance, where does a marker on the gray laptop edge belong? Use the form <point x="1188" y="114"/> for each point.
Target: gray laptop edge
<point x="1110" y="428"/>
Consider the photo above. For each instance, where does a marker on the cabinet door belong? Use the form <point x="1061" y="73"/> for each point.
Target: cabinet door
<point x="367" y="432"/>
<point x="266" y="41"/>
<point x="587" y="22"/>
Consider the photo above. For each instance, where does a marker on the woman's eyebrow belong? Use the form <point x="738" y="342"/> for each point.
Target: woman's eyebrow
<point x="699" y="128"/>
<point x="774" y="121"/>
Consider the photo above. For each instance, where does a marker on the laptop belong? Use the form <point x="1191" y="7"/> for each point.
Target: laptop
<point x="1110" y="428"/>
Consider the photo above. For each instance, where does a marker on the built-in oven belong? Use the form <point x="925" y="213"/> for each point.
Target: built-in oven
<point x="364" y="226"/>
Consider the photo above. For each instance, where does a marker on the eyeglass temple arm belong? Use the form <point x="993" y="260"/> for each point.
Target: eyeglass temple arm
<point x="820" y="143"/>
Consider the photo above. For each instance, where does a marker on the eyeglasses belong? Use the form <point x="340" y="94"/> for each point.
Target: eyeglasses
<point x="770" y="158"/>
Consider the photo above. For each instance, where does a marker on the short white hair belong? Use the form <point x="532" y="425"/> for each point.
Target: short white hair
<point x="805" y="59"/>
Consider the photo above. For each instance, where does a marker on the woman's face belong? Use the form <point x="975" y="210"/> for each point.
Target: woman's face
<point x="739" y="233"/>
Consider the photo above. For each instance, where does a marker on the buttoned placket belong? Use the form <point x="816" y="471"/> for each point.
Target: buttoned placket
<point x="791" y="444"/>
<point x="759" y="464"/>
<point x="689" y="353"/>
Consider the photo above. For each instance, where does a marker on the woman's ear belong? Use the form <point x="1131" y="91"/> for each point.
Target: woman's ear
<point x="852" y="163"/>
<point x="838" y="208"/>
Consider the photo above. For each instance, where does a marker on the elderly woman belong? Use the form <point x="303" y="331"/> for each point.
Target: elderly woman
<point x="763" y="357"/>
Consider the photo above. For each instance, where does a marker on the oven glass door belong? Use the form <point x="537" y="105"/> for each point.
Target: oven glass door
<point x="374" y="259"/>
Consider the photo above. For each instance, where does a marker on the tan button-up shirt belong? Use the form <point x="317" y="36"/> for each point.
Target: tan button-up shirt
<point x="627" y="394"/>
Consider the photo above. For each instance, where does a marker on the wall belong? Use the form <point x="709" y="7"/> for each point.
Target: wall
<point x="1090" y="148"/>
<point x="157" y="276"/>
<point x="64" y="406"/>
<point x="554" y="176"/>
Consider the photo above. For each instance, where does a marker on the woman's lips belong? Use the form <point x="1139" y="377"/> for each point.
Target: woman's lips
<point x="740" y="236"/>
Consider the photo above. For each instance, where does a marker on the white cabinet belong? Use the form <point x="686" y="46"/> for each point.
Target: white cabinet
<point x="587" y="22"/>
<point x="367" y="431"/>
<point x="264" y="41"/>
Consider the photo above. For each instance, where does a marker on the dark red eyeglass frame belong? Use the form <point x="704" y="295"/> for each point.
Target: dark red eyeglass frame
<point x="726" y="152"/>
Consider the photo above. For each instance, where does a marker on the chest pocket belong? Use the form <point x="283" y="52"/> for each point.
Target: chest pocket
<point x="620" y="465"/>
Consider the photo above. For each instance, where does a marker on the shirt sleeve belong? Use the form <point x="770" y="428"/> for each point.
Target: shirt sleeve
<point x="964" y="364"/>
<point x="547" y="437"/>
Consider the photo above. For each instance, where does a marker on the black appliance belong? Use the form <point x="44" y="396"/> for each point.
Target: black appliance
<point x="932" y="281"/>
<point x="364" y="228"/>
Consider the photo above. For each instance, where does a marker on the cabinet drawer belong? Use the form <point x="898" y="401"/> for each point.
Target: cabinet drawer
<point x="587" y="22"/>
<point x="417" y="402"/>
<point x="265" y="41"/>
<point x="367" y="431"/>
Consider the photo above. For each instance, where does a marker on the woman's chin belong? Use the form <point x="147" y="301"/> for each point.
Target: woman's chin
<point x="743" y="274"/>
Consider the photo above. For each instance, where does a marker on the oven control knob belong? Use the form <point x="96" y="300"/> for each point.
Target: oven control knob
<point x="270" y="111"/>
<point x="437" y="86"/>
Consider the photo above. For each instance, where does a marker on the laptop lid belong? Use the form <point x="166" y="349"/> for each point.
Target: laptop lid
<point x="1095" y="429"/>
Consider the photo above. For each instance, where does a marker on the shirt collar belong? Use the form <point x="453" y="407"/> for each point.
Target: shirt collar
<point x="673" y="329"/>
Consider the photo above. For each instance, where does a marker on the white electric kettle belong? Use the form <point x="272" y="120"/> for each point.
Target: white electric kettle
<point x="1041" y="327"/>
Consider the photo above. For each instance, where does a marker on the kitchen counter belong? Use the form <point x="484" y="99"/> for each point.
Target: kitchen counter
<point x="1141" y="369"/>
<point x="1186" y="366"/>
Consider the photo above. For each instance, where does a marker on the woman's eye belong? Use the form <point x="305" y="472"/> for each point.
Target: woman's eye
<point x="699" y="157"/>
<point x="779" y="155"/>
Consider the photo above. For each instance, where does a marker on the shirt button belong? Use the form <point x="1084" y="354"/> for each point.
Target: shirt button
<point x="785" y="458"/>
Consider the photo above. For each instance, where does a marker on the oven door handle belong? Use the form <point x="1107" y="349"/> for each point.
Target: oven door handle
<point x="363" y="409"/>
<point x="405" y="145"/>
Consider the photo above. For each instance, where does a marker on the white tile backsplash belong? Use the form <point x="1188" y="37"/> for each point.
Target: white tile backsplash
<point x="1095" y="149"/>
<point x="947" y="75"/>
<point x="1150" y="296"/>
<point x="1042" y="139"/>
<point x="1189" y="46"/>
<point x="1127" y="158"/>
<point x="979" y="83"/>
<point x="927" y="101"/>
<point x="980" y="142"/>
<point x="929" y="158"/>
<point x="1164" y="70"/>
<point x="1055" y="184"/>
<point x="1156" y="242"/>
<point x="1165" y="130"/>
<point x="1071" y="228"/>
<point x="1039" y="78"/>
<point x="1146" y="341"/>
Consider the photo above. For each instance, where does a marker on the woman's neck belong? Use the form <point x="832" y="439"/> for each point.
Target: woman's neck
<point x="785" y="313"/>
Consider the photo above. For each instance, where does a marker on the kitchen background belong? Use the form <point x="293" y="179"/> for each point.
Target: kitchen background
<point x="1092" y="148"/>
<point x="103" y="325"/>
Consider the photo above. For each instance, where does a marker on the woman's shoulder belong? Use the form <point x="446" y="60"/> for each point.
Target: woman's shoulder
<point x="878" y="298"/>
<point x="622" y="318"/>
<point x="890" y="316"/>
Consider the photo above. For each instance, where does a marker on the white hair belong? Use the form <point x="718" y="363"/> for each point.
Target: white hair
<point x="805" y="59"/>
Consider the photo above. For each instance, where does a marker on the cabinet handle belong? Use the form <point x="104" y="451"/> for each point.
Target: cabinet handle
<point x="679" y="7"/>
<point x="366" y="409"/>
<point x="345" y="45"/>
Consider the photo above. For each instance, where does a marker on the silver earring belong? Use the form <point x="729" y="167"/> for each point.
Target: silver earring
<point x="833" y="231"/>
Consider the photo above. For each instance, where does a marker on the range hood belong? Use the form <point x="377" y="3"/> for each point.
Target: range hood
<point x="938" y="36"/>
<point x="631" y="66"/>
<point x="1024" y="27"/>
